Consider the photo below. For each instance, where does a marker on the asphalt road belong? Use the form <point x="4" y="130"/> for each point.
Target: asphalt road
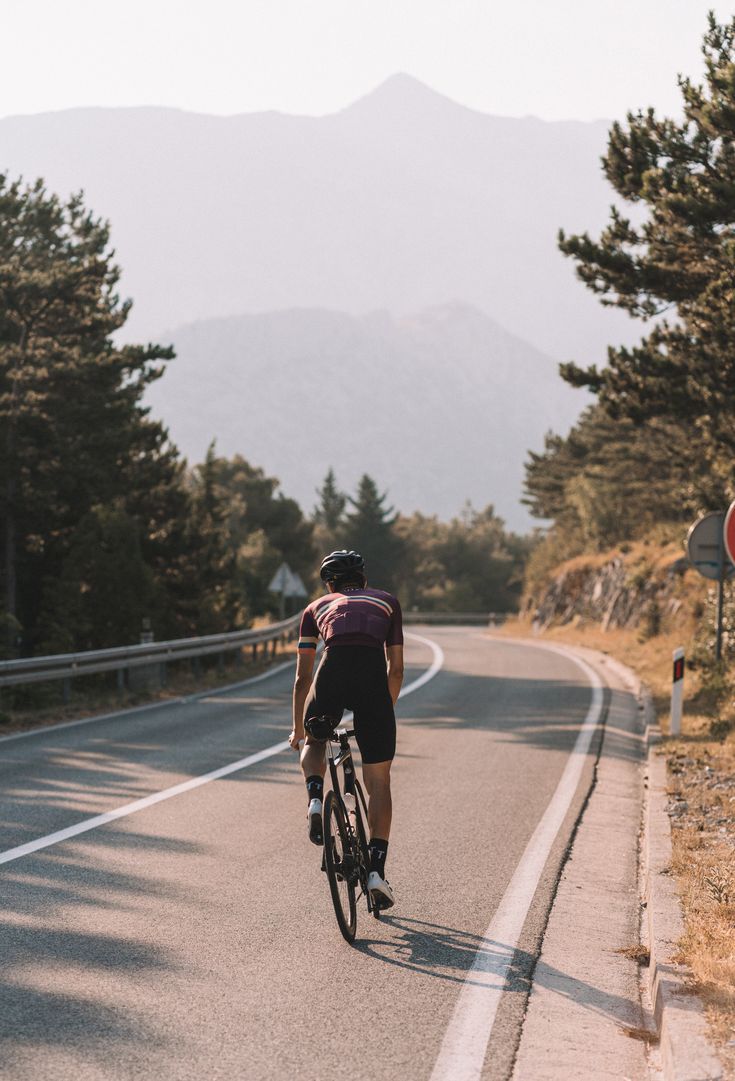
<point x="195" y="938"/>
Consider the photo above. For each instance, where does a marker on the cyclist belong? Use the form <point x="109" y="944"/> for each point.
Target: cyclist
<point x="361" y="670"/>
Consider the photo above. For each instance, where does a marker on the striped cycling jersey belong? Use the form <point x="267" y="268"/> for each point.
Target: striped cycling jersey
<point x="354" y="617"/>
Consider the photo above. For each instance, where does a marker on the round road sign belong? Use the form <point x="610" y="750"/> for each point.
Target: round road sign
<point x="706" y="548"/>
<point x="729" y="533"/>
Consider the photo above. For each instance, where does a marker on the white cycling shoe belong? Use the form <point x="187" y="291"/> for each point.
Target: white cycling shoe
<point x="380" y="890"/>
<point x="314" y="820"/>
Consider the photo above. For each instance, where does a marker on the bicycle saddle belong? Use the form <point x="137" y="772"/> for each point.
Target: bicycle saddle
<point x="321" y="727"/>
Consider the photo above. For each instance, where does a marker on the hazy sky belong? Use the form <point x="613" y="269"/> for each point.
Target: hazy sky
<point x="552" y="58"/>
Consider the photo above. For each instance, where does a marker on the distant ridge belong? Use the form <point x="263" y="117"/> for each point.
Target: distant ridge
<point x="440" y="406"/>
<point x="401" y="200"/>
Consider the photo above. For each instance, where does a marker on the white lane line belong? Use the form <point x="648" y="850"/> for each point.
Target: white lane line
<point x="463" y="1048"/>
<point x="137" y="805"/>
<point x="149" y="706"/>
<point x="195" y="782"/>
<point x="437" y="655"/>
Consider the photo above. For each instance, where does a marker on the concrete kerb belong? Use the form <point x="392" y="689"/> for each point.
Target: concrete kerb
<point x="685" y="1050"/>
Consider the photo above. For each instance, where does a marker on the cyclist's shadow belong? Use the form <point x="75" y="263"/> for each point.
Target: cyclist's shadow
<point x="424" y="947"/>
<point x="447" y="953"/>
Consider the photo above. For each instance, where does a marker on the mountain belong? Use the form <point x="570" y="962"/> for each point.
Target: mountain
<point x="439" y="407"/>
<point x="401" y="201"/>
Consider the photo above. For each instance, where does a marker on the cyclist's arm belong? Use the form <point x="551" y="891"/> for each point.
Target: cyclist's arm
<point x="395" y="670"/>
<point x="308" y="638"/>
<point x="302" y="684"/>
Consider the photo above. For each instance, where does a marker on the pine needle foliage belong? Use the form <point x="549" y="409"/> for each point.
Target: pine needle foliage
<point x="659" y="444"/>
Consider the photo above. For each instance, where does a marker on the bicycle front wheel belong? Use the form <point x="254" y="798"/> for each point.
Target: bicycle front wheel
<point x="342" y="869"/>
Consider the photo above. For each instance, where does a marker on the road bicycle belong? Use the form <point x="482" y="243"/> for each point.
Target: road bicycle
<point x="346" y="858"/>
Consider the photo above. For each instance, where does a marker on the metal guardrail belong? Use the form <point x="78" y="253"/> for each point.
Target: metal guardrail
<point x="123" y="658"/>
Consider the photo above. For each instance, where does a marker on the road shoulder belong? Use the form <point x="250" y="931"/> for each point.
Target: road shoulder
<point x="584" y="1016"/>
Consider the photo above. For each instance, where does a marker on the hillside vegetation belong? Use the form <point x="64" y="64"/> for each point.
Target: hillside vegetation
<point x="654" y="451"/>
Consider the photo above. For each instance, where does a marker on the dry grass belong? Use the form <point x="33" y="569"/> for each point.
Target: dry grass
<point x="639" y="953"/>
<point x="654" y="556"/>
<point x="643" y="1034"/>
<point x="702" y="806"/>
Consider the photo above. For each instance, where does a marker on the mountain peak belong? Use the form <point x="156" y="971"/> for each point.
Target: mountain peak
<point x="401" y="92"/>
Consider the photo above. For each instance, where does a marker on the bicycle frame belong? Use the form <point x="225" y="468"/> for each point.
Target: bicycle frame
<point x="339" y="753"/>
<point x="342" y="757"/>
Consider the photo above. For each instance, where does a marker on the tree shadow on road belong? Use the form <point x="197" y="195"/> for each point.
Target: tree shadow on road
<point x="60" y="979"/>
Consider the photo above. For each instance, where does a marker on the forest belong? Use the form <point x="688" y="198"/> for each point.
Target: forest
<point x="104" y="525"/>
<point x="657" y="446"/>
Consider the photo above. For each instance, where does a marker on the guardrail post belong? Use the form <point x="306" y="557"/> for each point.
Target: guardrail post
<point x="220" y="662"/>
<point x="66" y="690"/>
<point x="162" y="674"/>
<point x="121" y="681"/>
<point x="255" y="651"/>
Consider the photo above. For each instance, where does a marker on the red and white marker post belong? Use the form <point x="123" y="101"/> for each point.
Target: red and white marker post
<point x="728" y="544"/>
<point x="677" y="692"/>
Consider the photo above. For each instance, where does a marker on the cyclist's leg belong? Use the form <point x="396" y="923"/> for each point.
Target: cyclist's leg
<point x="375" y="731"/>
<point x="380" y="805"/>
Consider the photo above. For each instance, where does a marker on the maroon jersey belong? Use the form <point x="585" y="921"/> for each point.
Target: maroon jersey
<point x="355" y="617"/>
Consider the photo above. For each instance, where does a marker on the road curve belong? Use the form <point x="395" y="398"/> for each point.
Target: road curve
<point x="194" y="938"/>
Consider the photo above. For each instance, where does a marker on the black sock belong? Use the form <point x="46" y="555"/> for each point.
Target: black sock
<point x="378" y="852"/>
<point x="315" y="787"/>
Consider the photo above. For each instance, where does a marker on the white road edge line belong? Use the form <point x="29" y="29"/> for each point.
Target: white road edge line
<point x="462" y="1053"/>
<point x="148" y="706"/>
<point x="196" y="782"/>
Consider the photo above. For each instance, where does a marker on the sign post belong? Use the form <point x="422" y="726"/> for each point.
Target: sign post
<point x="677" y="692"/>
<point x="288" y="584"/>
<point x="707" y="554"/>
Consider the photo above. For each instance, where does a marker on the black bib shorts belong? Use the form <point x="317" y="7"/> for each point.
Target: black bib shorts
<point x="356" y="678"/>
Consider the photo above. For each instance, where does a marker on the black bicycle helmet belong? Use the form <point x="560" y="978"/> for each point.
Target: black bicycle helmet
<point x="340" y="565"/>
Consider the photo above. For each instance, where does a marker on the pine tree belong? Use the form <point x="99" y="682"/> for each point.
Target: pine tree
<point x="264" y="528"/>
<point x="329" y="512"/>
<point x="611" y="479"/>
<point x="329" y="516"/>
<point x="680" y="260"/>
<point x="369" y="529"/>
<point x="216" y="552"/>
<point x="75" y="435"/>
<point x="105" y="589"/>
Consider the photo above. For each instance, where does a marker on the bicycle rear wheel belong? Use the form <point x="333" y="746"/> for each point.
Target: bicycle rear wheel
<point x="342" y="867"/>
